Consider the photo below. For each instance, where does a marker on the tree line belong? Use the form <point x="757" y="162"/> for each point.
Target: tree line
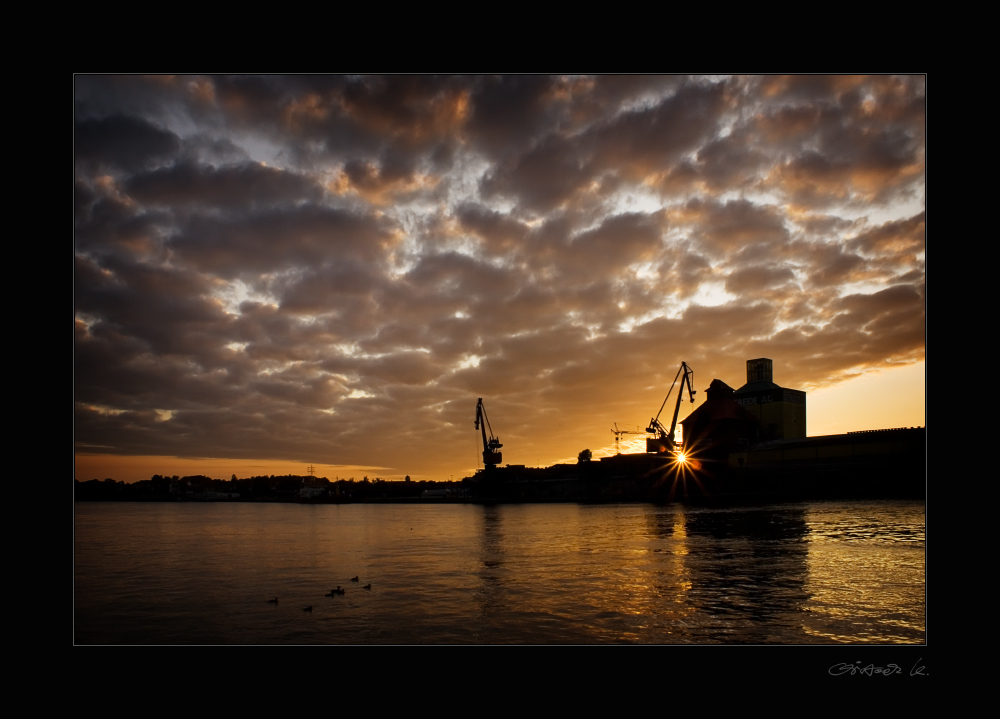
<point x="272" y="487"/>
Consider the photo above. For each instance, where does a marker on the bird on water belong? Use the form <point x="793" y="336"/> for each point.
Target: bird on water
<point x="355" y="579"/>
<point x="272" y="601"/>
<point x="368" y="586"/>
<point x="307" y="609"/>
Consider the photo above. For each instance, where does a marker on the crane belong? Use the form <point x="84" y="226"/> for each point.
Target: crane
<point x="664" y="440"/>
<point x="618" y="436"/>
<point x="491" y="447"/>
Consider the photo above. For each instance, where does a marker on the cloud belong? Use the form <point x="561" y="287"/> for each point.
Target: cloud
<point x="755" y="277"/>
<point x="122" y="142"/>
<point x="895" y="237"/>
<point x="279" y="239"/>
<point x="302" y="267"/>
<point x="735" y="225"/>
<point x="243" y="187"/>
<point x="498" y="231"/>
<point x="634" y="145"/>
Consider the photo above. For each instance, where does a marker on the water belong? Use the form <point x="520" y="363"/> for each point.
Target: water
<point x="192" y="573"/>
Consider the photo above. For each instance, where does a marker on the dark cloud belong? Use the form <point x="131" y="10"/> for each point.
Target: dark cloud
<point x="168" y="309"/>
<point x="397" y="118"/>
<point x="634" y="145"/>
<point x="279" y="239"/>
<point x="111" y="227"/>
<point x="122" y="142"/>
<point x="300" y="267"/>
<point x="832" y="266"/>
<point x="411" y="109"/>
<point x="750" y="279"/>
<point x="877" y="304"/>
<point x="808" y="88"/>
<point x="892" y="238"/>
<point x="844" y="138"/>
<point x="498" y="231"/>
<point x="735" y="225"/>
<point x="685" y="271"/>
<point x="644" y="142"/>
<point x="616" y="243"/>
<point x="320" y="290"/>
<point x="509" y="113"/>
<point x="243" y="187"/>
<point x="725" y="164"/>
<point x="381" y="183"/>
<point x="543" y="178"/>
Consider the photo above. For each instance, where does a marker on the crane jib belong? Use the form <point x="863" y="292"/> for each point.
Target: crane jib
<point x="491" y="446"/>
<point x="688" y="378"/>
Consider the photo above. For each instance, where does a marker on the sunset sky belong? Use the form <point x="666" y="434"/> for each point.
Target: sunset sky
<point x="272" y="272"/>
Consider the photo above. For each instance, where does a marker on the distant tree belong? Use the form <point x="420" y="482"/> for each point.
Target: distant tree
<point x="407" y="478"/>
<point x="585" y="456"/>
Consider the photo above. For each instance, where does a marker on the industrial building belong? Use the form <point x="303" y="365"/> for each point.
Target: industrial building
<point x="719" y="424"/>
<point x="748" y="443"/>
<point x="753" y="441"/>
<point x="780" y="411"/>
<point x="759" y="411"/>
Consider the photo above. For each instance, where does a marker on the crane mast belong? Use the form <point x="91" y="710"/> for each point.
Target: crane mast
<point x="664" y="440"/>
<point x="491" y="447"/>
<point x="618" y="436"/>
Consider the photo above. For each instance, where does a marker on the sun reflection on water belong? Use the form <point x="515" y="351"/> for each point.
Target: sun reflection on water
<point x="533" y="573"/>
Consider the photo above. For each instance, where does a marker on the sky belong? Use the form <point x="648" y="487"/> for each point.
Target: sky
<point x="282" y="271"/>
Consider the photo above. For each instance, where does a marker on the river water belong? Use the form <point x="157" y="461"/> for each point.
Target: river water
<point x="202" y="573"/>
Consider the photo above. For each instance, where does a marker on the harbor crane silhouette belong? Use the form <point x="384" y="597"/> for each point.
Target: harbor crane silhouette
<point x="491" y="447"/>
<point x="664" y="440"/>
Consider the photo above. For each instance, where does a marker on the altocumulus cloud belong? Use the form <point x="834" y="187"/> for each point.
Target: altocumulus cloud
<point x="333" y="269"/>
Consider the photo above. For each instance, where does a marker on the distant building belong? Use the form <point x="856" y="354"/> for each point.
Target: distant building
<point x="780" y="411"/>
<point x="311" y="491"/>
<point x="435" y="493"/>
<point x="759" y="411"/>
<point x="719" y="424"/>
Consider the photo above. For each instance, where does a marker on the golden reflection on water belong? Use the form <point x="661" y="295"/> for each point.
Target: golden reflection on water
<point x="620" y="569"/>
<point x="560" y="573"/>
<point x="866" y="573"/>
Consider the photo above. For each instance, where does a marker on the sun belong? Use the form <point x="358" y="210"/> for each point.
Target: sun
<point x="681" y="467"/>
